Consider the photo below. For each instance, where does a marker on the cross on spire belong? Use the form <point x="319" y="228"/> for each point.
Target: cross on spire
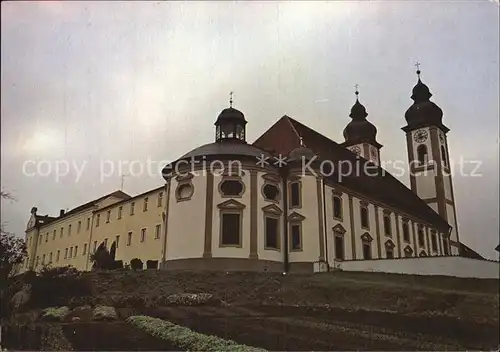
<point x="356" y="92"/>
<point x="230" y="99"/>
<point x="417" y="65"/>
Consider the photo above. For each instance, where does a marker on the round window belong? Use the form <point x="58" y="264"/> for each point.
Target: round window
<point x="271" y="192"/>
<point x="231" y="188"/>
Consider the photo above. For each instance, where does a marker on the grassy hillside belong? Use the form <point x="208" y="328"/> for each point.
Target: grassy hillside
<point x="330" y="311"/>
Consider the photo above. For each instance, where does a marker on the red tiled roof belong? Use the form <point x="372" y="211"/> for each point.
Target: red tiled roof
<point x="285" y="135"/>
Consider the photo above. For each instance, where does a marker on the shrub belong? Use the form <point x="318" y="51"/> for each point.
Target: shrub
<point x="104" y="313"/>
<point x="136" y="264"/>
<point x="118" y="264"/>
<point x="54" y="313"/>
<point x="185" y="338"/>
<point x="152" y="264"/>
<point x="56" y="286"/>
<point x="188" y="299"/>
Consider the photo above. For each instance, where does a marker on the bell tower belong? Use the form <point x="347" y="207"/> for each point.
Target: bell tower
<point x="360" y="134"/>
<point x="429" y="160"/>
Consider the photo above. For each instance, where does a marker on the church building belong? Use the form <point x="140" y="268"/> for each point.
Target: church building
<point x="293" y="200"/>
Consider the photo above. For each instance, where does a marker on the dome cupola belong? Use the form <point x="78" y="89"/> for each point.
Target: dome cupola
<point x="230" y="124"/>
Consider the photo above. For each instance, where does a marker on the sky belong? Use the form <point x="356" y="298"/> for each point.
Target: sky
<point x="94" y="90"/>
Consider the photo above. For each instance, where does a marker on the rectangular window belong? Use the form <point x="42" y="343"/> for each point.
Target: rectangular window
<point x="54" y="235"/>
<point x="66" y="253"/>
<point x="446" y="244"/>
<point x="88" y="223"/>
<point x="231" y="229"/>
<point x="296" y="237"/>
<point x="43" y="259"/>
<point x="62" y="232"/>
<point x="58" y="255"/>
<point x="79" y="226"/>
<point x="41" y="239"/>
<point x="84" y="249"/>
<point x="76" y="251"/>
<point x="47" y="237"/>
<point x="129" y="238"/>
<point x="105" y="243"/>
<point x="387" y="226"/>
<point x="95" y="246"/>
<point x="157" y="232"/>
<point x="50" y="258"/>
<point x="71" y="252"/>
<point x="143" y="235"/>
<point x="421" y="237"/>
<point x="69" y="230"/>
<point x="108" y="216"/>
<point x="406" y="232"/>
<point x="37" y="260"/>
<point x="160" y="199"/>
<point x="337" y="207"/>
<point x="295" y="194"/>
<point x="117" y="241"/>
<point x="339" y="247"/>
<point x="132" y="206"/>
<point x="365" y="223"/>
<point x="98" y="218"/>
<point x="367" y="251"/>
<point x="434" y="241"/>
<point x="272" y="233"/>
<point x="145" y="204"/>
<point x="120" y="209"/>
<point x="389" y="253"/>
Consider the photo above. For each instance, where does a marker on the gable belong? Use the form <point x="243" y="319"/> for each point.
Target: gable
<point x="108" y="201"/>
<point x="295" y="217"/>
<point x="280" y="138"/>
<point x="231" y="204"/>
<point x="273" y="209"/>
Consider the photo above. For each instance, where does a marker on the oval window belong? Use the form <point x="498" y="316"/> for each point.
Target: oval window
<point x="231" y="188"/>
<point x="184" y="191"/>
<point x="271" y="192"/>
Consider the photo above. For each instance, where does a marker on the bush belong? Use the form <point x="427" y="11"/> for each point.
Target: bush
<point x="188" y="299"/>
<point x="55" y="314"/>
<point x="185" y="338"/>
<point x="104" y="313"/>
<point x="152" y="264"/>
<point x="118" y="264"/>
<point x="136" y="264"/>
<point x="56" y="286"/>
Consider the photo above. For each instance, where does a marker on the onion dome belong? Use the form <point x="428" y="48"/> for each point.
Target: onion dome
<point x="423" y="112"/>
<point x="359" y="130"/>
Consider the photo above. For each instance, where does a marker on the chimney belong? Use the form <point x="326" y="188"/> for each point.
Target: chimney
<point x="61" y="213"/>
<point x="34" y="210"/>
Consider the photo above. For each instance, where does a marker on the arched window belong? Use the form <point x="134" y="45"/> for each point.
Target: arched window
<point x="337" y="207"/>
<point x="422" y="154"/>
<point x="443" y="156"/>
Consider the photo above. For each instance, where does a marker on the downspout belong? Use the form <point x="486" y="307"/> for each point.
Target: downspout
<point x="165" y="223"/>
<point x="284" y="174"/>
<point x="324" y="224"/>
<point x="90" y="241"/>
